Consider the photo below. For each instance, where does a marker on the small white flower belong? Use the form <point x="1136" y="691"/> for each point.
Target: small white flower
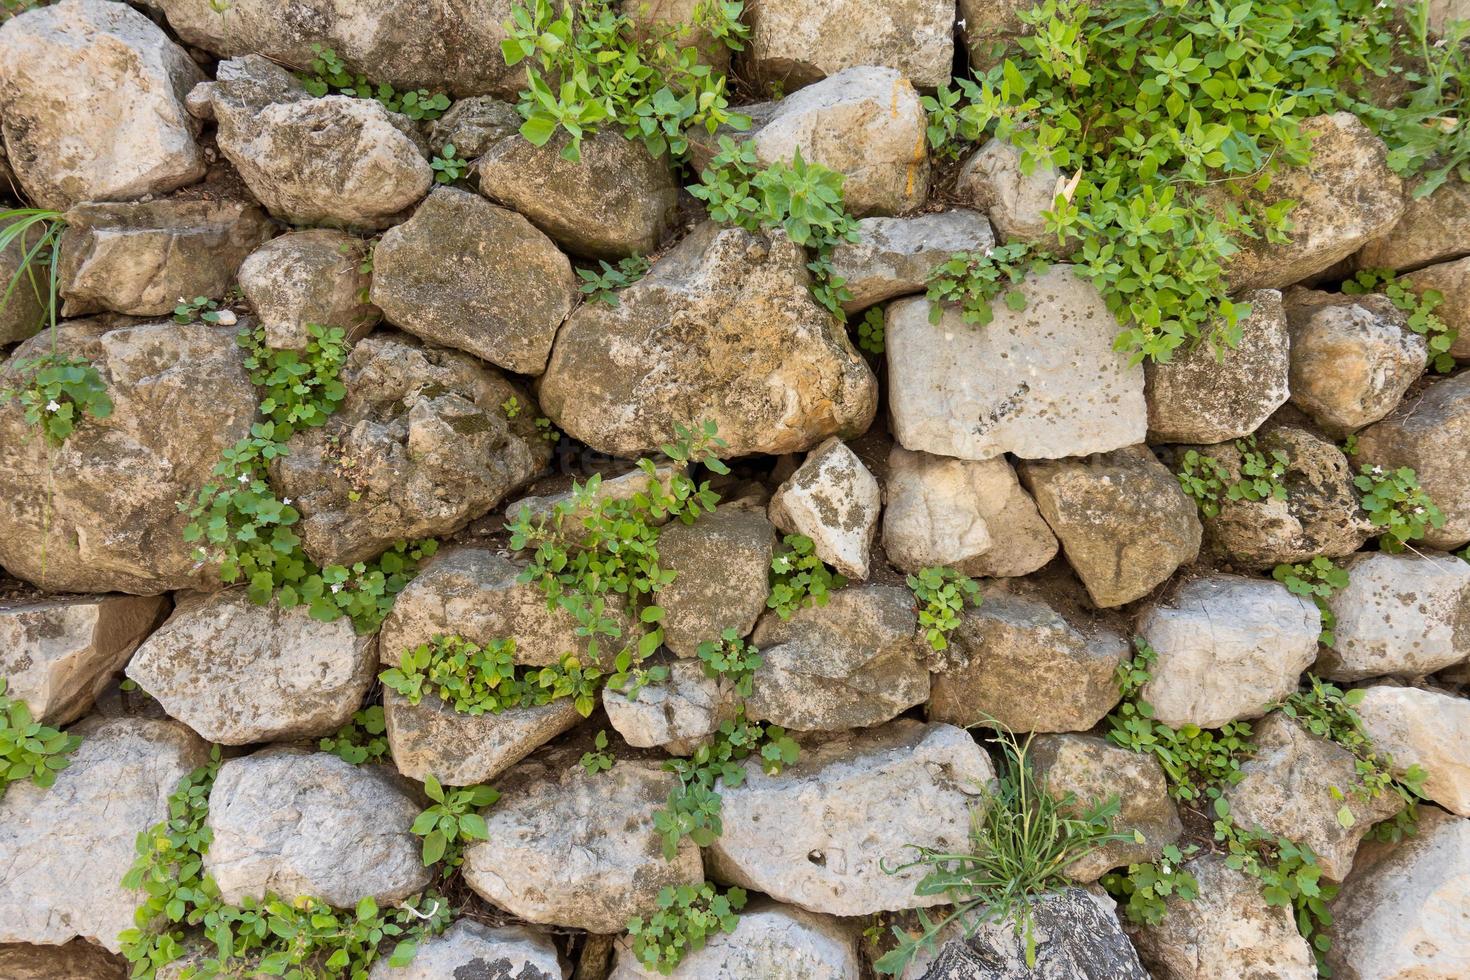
<point x="337" y="587"/>
<point x="244" y="478"/>
<point x="52" y="406"/>
<point x="1166" y="869"/>
<point x="1418" y="510"/>
<point x="286" y="502"/>
<point x="1376" y="470"/>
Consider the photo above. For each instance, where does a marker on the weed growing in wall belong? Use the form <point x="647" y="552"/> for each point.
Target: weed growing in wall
<point x="799" y="578"/>
<point x="1396" y="503"/>
<point x="476" y="679"/>
<point x="1145" y="888"/>
<point x="362" y="739"/>
<point x="1419" y="306"/>
<point x="602" y="286"/>
<point x="1319" y="579"/>
<point x="942" y="594"/>
<point x="871" y="331"/>
<point x="329" y="76"/>
<point x="29" y="749"/>
<point x="452" y="819"/>
<point x="973" y="279"/>
<point x="448" y="166"/>
<point x="1261" y="474"/>
<point x="687" y="916"/>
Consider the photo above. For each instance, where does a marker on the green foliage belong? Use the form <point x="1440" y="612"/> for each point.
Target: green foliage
<point x="453" y="818"/>
<point x="29" y="749"/>
<point x="1205" y="480"/>
<point x="476" y="679"/>
<point x="200" y="308"/>
<point x="951" y="123"/>
<point x="799" y="578"/>
<point x="731" y="657"/>
<point x="687" y="915"/>
<point x="871" y="331"/>
<point x="56" y="392"/>
<point x="602" y="287"/>
<point x="1419" y="306"/>
<point x="238" y="521"/>
<point x="37" y="232"/>
<point x="598" y="759"/>
<point x="942" y="594"/>
<point x="1022" y="838"/>
<point x="448" y="167"/>
<point x="362" y="739"/>
<point x="1319" y="579"/>
<point x="330" y="77"/>
<point x="588" y="66"/>
<point x="973" y="279"/>
<point x="1396" y="503"/>
<point x="1144" y="889"/>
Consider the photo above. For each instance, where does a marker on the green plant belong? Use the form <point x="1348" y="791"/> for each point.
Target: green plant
<point x="602" y="287"/>
<point x="447" y="166"/>
<point x="587" y="66"/>
<point x="56" y="392"/>
<point x="475" y="679"/>
<point x="950" y="124"/>
<point x="1144" y="889"/>
<point x="203" y="309"/>
<point x="799" y="578"/>
<point x="546" y="430"/>
<point x="687" y="915"/>
<point x="453" y="817"/>
<point x="871" y="331"/>
<point x="942" y="594"/>
<point x="1022" y="839"/>
<point x="29" y="749"/>
<point x="973" y="279"/>
<point x="37" y="232"/>
<point x="511" y="407"/>
<point x="598" y="759"/>
<point x="1260" y="477"/>
<point x="1320" y="579"/>
<point x="362" y="739"/>
<point x="330" y="77"/>
<point x="731" y="657"/>
<point x="1420" y="307"/>
<point x="1395" y="502"/>
<point x="1203" y="480"/>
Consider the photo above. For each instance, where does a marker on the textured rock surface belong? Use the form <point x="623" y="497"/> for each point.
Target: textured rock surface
<point x="578" y="850"/>
<point x="1288" y="790"/>
<point x="56" y="886"/>
<point x="991" y="180"/>
<point x="418" y="448"/>
<point x="1228" y="932"/>
<point x="1095" y="771"/>
<point x="817" y="834"/>
<point x="834" y="500"/>
<point x="333" y="160"/>
<point x="618" y="200"/>
<point x="57" y="654"/>
<point x="721" y="566"/>
<point x="1452" y="281"/>
<point x="92" y="98"/>
<point x="896" y="256"/>
<point x="1430" y="432"/>
<point x="1433" y="229"/>
<point x="473" y="125"/>
<point x="1017" y="661"/>
<point x="969" y="515"/>
<point x="1401" y="914"/>
<point x="722" y="328"/>
<point x="1043" y="382"/>
<point x="464" y="273"/>
<point x="431" y="738"/>
<point x="1422" y="728"/>
<point x="139" y="258"/>
<point x="1123" y="522"/>
<point x="796" y="42"/>
<point x="101" y="513"/>
<point x="297" y="823"/>
<point x="852" y="663"/>
<point x="309" y="277"/>
<point x="1399" y="614"/>
<point x="675" y="715"/>
<point x="468" y="949"/>
<point x="77" y="960"/>
<point x="988" y="25"/>
<point x="1199" y="397"/>
<point x="772" y="941"/>
<point x="1227" y="647"/>
<point x="1327" y="225"/>
<point x="238" y="673"/>
<point x="1352" y="357"/>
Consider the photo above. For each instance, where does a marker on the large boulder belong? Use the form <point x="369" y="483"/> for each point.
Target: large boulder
<point x="797" y="42"/>
<point x="1428" y="729"/>
<point x="1124" y="524"/>
<point x="1401" y="913"/>
<point x="1430" y="433"/>
<point x="993" y="180"/>
<point x="820" y="833"/>
<point x="466" y="274"/>
<point x="1201" y="395"/>
<point x="1228" y="647"/>
<point x="618" y="200"/>
<point x="573" y="849"/>
<point x="1402" y="615"/>
<point x="1017" y="662"/>
<point x="293" y="823"/>
<point x="1434" y="228"/>
<point x="1227" y="932"/>
<point x="76" y="960"/>
<point x="100" y="513"/>
<point x="309" y="277"/>
<point x="237" y="672"/>
<point x="1452" y="281"/>
<point x="896" y="256"/>
<point x="92" y="98"/>
<point x="1041" y="383"/>
<point x="1352" y="357"/>
<point x="473" y="125"/>
<point x="969" y="515"/>
<point x="431" y="738"/>
<point x="64" y="850"/>
<point x="1299" y="786"/>
<point x="771" y="941"/>
<point x="834" y="500"/>
<point x="1327" y="225"/>
<point x="418" y="448"/>
<point x="58" y="653"/>
<point x="335" y="160"/>
<point x="722" y="567"/>
<point x="723" y="328"/>
<point x="469" y="949"/>
<point x="852" y="663"/>
<point x="141" y="257"/>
